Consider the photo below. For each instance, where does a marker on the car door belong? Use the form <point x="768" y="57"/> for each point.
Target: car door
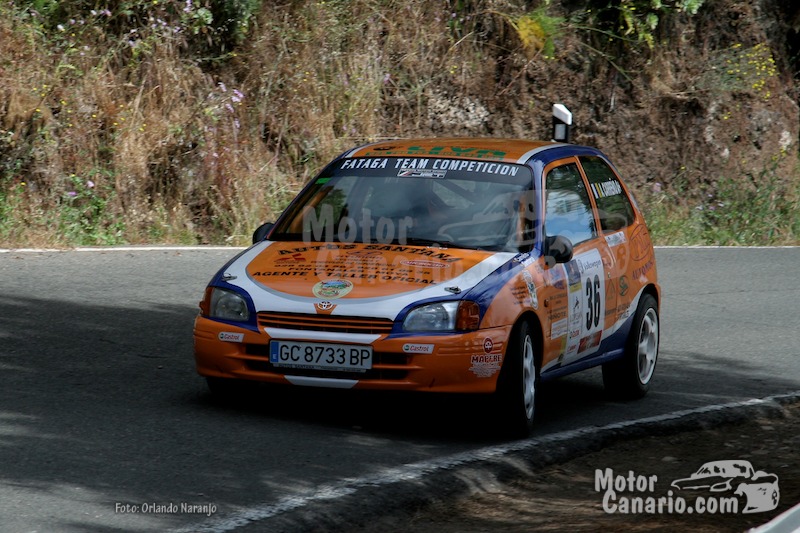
<point x="576" y="316"/>
<point x="615" y="219"/>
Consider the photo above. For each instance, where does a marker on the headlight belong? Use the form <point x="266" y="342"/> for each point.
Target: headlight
<point x="227" y="305"/>
<point x="443" y="316"/>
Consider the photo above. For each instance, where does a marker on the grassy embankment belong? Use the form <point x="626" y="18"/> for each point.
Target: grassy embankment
<point x="166" y="121"/>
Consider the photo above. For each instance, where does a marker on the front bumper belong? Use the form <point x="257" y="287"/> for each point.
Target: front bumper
<point x="457" y="363"/>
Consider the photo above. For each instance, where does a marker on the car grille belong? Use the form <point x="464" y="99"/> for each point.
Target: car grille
<point x="339" y="324"/>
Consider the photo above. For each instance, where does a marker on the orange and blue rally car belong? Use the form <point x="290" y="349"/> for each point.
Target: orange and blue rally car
<point x="449" y="265"/>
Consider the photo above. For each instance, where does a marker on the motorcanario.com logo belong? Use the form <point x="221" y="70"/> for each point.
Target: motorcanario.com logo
<point x="718" y="487"/>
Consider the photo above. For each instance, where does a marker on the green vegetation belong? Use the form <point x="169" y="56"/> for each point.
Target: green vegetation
<point x="740" y="68"/>
<point x="193" y="121"/>
<point x="754" y="210"/>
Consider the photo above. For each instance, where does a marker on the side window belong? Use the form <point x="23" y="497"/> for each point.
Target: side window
<point x="568" y="211"/>
<point x="613" y="204"/>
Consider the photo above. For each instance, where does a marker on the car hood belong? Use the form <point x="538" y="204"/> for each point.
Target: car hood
<point x="366" y="279"/>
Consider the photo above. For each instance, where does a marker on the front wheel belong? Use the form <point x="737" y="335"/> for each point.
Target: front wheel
<point x="629" y="377"/>
<point x="518" y="383"/>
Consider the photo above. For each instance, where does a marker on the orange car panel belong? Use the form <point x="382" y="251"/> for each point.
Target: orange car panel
<point x="303" y="294"/>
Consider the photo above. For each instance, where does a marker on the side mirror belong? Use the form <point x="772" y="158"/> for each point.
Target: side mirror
<point x="558" y="249"/>
<point x="262" y="231"/>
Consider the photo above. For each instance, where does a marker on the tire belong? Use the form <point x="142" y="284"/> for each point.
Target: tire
<point x="629" y="377"/>
<point x="518" y="383"/>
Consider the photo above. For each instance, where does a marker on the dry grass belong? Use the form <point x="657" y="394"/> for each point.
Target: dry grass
<point x="152" y="123"/>
<point x="167" y="146"/>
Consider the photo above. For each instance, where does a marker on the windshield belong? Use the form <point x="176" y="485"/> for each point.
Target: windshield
<point x="424" y="201"/>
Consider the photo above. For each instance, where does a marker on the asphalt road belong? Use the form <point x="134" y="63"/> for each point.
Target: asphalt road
<point x="104" y="425"/>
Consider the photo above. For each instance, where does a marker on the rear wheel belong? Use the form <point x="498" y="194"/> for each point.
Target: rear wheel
<point x="629" y="377"/>
<point x="518" y="383"/>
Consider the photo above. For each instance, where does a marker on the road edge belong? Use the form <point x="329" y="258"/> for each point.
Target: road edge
<point x="349" y="503"/>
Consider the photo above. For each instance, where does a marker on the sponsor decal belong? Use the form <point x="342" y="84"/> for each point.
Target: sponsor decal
<point x="294" y="257"/>
<point x="623" y="285"/>
<point x="488" y="345"/>
<point x="644" y="269"/>
<point x="485" y="365"/>
<point x="317" y="248"/>
<point x="558" y="328"/>
<point x="615" y="239"/>
<point x="719" y="487"/>
<point x="378" y="269"/>
<point x="587" y="293"/>
<point x="612" y="295"/>
<point x="607" y="188"/>
<point x="524" y="258"/>
<point x="332" y="288"/>
<point x="434" y="167"/>
<point x="430" y="253"/>
<point x="416" y="173"/>
<point x="589" y="342"/>
<point x="573" y="275"/>
<point x="363" y="254"/>
<point x="423" y="264"/>
<point x="231" y="337"/>
<point x="556" y="277"/>
<point x="417" y="348"/>
<point x="623" y="311"/>
<point x="362" y="162"/>
<point x="531" y="288"/>
<point x="641" y="247"/>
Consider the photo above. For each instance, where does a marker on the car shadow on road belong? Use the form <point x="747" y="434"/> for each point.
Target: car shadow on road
<point x="562" y="404"/>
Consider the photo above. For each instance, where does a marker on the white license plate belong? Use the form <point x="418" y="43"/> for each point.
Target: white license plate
<point x="320" y="356"/>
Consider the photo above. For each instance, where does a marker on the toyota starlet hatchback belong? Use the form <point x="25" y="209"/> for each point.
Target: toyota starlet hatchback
<point x="443" y="265"/>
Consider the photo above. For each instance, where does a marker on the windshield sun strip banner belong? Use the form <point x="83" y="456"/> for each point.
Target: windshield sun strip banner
<point x="428" y="167"/>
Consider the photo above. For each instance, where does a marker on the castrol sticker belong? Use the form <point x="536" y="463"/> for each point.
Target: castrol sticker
<point x="417" y="348"/>
<point x="231" y="337"/>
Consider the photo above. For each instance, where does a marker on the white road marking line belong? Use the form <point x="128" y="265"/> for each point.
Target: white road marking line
<point x="415" y="471"/>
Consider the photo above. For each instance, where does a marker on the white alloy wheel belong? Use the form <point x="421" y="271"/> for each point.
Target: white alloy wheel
<point x="517" y="383"/>
<point x="528" y="377"/>
<point x="629" y="376"/>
